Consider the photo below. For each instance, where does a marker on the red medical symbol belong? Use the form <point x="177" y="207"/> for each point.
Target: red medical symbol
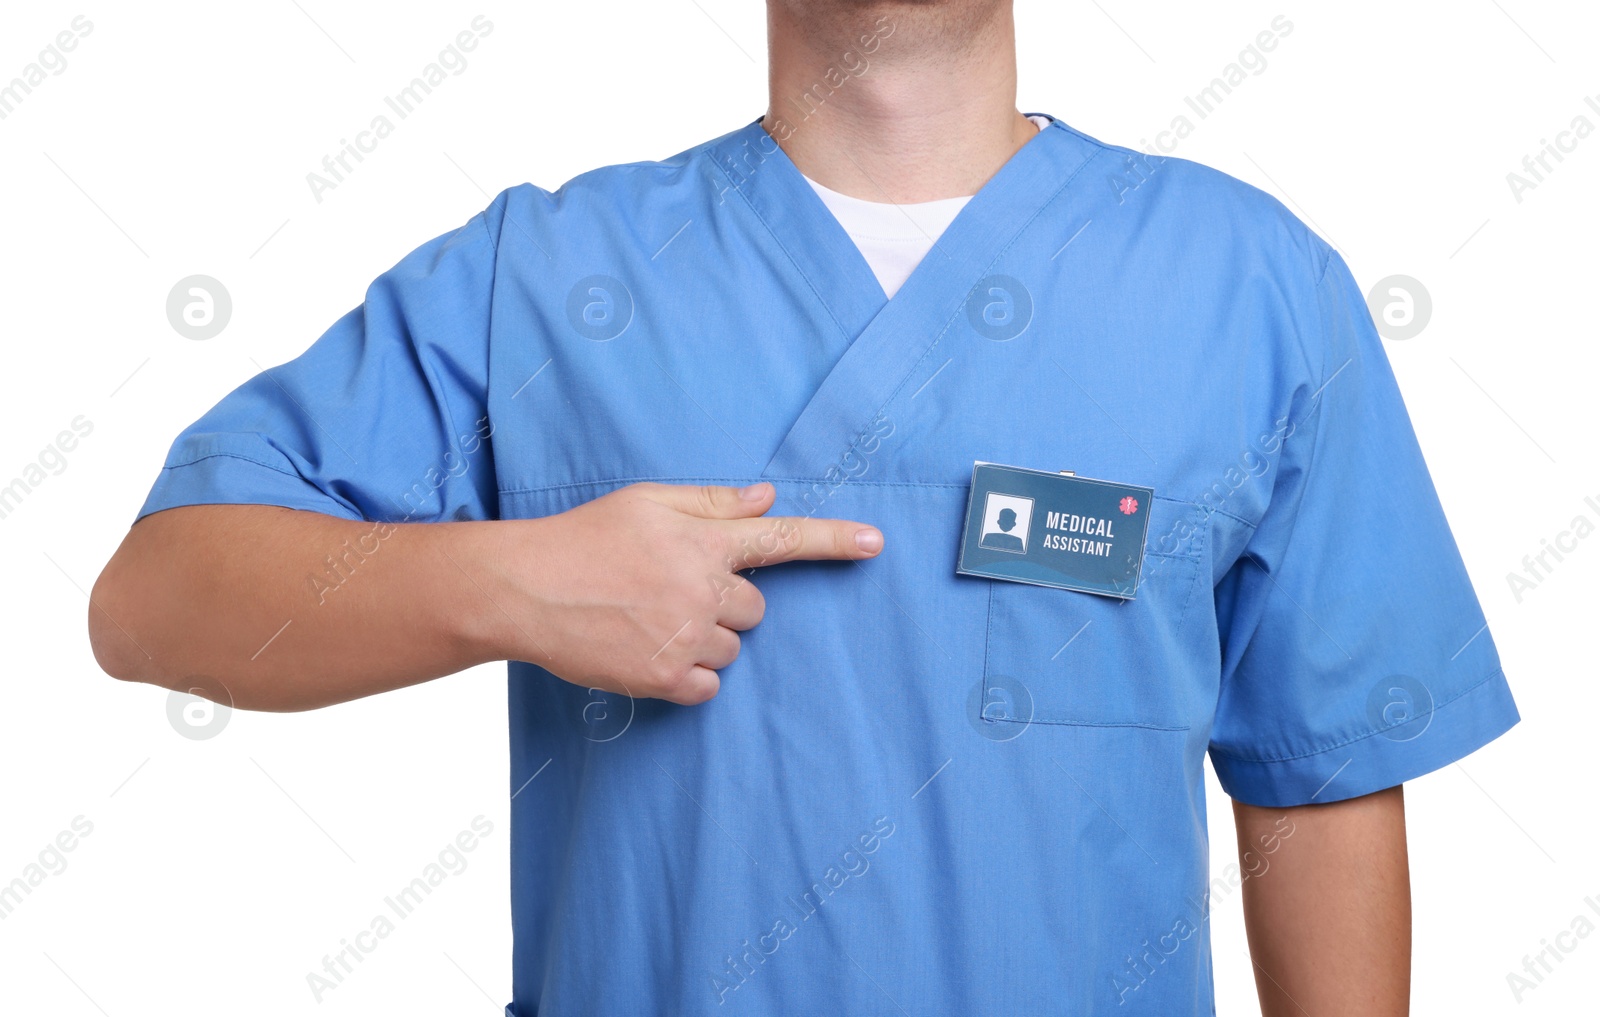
<point x="1128" y="506"/>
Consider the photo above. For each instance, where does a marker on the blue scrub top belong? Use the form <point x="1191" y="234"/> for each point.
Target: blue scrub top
<point x="917" y="792"/>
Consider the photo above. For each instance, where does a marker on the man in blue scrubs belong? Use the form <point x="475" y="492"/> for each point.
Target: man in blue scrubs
<point x="691" y="443"/>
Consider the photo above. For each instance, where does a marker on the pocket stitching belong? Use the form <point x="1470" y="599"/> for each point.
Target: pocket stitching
<point x="1194" y="562"/>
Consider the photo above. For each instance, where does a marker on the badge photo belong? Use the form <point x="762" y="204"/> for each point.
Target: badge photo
<point x="1006" y="521"/>
<point x="1055" y="529"/>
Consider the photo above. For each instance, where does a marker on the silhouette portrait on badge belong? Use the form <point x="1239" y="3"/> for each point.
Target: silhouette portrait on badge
<point x="1006" y="540"/>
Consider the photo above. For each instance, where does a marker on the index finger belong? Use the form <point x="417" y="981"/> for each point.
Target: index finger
<point x="769" y="540"/>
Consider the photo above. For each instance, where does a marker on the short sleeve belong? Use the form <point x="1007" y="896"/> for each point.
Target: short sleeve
<point x="383" y="418"/>
<point x="1355" y="655"/>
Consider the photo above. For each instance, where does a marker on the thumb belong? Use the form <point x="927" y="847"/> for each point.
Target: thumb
<point x="714" y="501"/>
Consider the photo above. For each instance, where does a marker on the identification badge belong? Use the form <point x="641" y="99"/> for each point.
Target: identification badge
<point x="1055" y="529"/>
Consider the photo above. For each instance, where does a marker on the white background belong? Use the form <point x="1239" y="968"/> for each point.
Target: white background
<point x="177" y="141"/>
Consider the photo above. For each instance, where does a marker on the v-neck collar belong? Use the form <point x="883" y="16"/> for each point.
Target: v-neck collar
<point x="886" y="337"/>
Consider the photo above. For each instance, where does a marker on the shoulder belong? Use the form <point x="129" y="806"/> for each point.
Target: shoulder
<point x="1216" y="211"/>
<point x="609" y="205"/>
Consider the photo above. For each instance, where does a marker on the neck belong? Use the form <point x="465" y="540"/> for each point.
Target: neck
<point x="895" y="102"/>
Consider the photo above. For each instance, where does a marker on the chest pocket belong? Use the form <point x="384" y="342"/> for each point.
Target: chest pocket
<point x="1056" y="656"/>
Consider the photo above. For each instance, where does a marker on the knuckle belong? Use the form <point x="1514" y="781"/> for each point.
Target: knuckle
<point x="705" y="690"/>
<point x="672" y="680"/>
<point x="713" y="543"/>
<point x="696" y="686"/>
<point x="728" y="591"/>
<point x="738" y="554"/>
<point x="708" y="599"/>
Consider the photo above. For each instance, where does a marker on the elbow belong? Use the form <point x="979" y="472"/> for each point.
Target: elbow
<point x="134" y="634"/>
<point x="114" y="647"/>
<point x="115" y="613"/>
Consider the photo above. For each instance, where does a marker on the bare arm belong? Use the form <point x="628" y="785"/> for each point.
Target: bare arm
<point x="1329" y="919"/>
<point x="634" y="592"/>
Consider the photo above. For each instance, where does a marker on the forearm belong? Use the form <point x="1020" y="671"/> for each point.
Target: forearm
<point x="1329" y="914"/>
<point x="270" y="608"/>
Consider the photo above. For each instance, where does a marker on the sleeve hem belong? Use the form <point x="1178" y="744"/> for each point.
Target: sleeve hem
<point x="1380" y="760"/>
<point x="223" y="478"/>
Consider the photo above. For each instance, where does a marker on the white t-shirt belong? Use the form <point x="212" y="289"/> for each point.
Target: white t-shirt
<point x="894" y="238"/>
